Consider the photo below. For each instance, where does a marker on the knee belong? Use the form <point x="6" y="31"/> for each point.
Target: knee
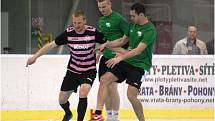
<point x="84" y="90"/>
<point x="83" y="93"/>
<point x="62" y="100"/>
<point x="131" y="97"/>
<point x="106" y="79"/>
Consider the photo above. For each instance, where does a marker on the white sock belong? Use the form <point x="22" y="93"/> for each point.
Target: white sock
<point x="109" y="114"/>
<point x="115" y="114"/>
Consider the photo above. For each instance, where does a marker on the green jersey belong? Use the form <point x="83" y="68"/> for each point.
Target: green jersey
<point x="141" y="33"/>
<point x="112" y="27"/>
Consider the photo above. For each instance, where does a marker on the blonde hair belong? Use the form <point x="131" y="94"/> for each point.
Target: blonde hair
<point x="103" y="1"/>
<point x="79" y="13"/>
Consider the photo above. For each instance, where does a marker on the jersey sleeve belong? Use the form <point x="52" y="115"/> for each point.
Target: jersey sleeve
<point x="128" y="29"/>
<point x="61" y="39"/>
<point x="99" y="37"/>
<point x="99" y="24"/>
<point x="149" y="36"/>
<point x="123" y="25"/>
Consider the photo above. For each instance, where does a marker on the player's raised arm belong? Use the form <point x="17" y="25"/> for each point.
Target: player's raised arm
<point x="41" y="52"/>
<point x="113" y="44"/>
<point x="118" y="42"/>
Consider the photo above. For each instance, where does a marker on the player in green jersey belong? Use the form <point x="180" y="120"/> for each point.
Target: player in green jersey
<point x="113" y="26"/>
<point x="130" y="66"/>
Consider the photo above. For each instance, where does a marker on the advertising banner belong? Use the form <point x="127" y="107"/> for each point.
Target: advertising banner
<point x="179" y="82"/>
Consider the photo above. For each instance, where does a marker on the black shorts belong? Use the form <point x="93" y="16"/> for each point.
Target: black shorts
<point x="125" y="71"/>
<point x="103" y="67"/>
<point x="72" y="80"/>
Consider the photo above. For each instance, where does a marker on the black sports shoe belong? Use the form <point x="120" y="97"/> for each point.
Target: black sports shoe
<point x="67" y="117"/>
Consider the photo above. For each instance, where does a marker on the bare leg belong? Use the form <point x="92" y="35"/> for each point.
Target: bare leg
<point x="106" y="80"/>
<point x="136" y="104"/>
<point x="115" y="99"/>
<point x="114" y="95"/>
<point x="64" y="96"/>
<point x="84" y="90"/>
<point x="108" y="105"/>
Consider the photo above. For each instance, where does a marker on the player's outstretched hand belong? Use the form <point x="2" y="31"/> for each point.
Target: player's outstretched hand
<point x="113" y="61"/>
<point x="30" y="61"/>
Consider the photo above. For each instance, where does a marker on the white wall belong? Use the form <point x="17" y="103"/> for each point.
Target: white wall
<point x="33" y="87"/>
<point x="37" y="86"/>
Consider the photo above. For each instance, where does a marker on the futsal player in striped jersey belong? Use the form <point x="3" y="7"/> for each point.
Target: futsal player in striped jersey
<point x="81" y="70"/>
